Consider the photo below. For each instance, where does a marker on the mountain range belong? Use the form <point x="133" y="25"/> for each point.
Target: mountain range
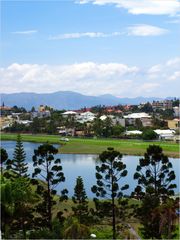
<point x="67" y="100"/>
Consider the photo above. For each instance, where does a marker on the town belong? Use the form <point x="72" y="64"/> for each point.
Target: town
<point x="148" y="121"/>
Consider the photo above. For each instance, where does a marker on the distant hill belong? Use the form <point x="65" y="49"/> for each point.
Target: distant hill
<point x="66" y="100"/>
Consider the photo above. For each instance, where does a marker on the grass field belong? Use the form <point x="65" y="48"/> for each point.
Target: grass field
<point x="96" y="146"/>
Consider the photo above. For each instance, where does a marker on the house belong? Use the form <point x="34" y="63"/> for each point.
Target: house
<point x="174" y="124"/>
<point x="5" y="121"/>
<point x="115" y="120"/>
<point x="24" y="122"/>
<point x="165" y="134"/>
<point x="63" y="131"/>
<point x="42" y="114"/>
<point x="176" y="111"/>
<point x="85" y="117"/>
<point x="133" y="132"/>
<point x="143" y="117"/>
<point x="69" y="113"/>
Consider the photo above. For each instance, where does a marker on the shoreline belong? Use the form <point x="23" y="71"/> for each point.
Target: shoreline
<point x="96" y="146"/>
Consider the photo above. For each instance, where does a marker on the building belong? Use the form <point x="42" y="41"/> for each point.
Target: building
<point x="166" y="104"/>
<point x="165" y="134"/>
<point x="85" y="117"/>
<point x="43" y="114"/>
<point x="69" y="113"/>
<point x="176" y="111"/>
<point x="143" y="117"/>
<point x="133" y="132"/>
<point x="174" y="124"/>
<point x="115" y="120"/>
<point x="41" y="108"/>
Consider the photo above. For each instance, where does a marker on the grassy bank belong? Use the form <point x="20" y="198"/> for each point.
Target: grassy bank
<point x="96" y="146"/>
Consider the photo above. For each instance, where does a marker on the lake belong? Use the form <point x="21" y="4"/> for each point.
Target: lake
<point x="75" y="165"/>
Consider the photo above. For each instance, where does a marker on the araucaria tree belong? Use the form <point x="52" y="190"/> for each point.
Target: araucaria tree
<point x="80" y="200"/>
<point x="3" y="158"/>
<point x="155" y="175"/>
<point x="108" y="175"/>
<point x="18" y="165"/>
<point x="50" y="171"/>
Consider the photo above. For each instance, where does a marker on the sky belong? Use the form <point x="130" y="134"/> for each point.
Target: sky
<point x="126" y="48"/>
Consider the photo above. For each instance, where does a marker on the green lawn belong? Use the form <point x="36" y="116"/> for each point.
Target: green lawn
<point x="96" y="146"/>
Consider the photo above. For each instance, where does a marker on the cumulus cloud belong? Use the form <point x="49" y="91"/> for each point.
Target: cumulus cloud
<point x="84" y="34"/>
<point x="151" y="7"/>
<point x="93" y="78"/>
<point x="26" y="32"/>
<point x="145" y="30"/>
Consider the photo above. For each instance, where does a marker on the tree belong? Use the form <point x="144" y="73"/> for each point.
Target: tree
<point x="80" y="200"/>
<point x="154" y="177"/>
<point x="3" y="157"/>
<point x="168" y="217"/>
<point x="17" y="165"/>
<point x="149" y="134"/>
<point x="117" y="130"/>
<point x="75" y="230"/>
<point x="16" y="205"/>
<point x="108" y="174"/>
<point x="50" y="171"/>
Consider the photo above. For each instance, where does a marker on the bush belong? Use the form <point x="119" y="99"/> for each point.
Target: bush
<point x="149" y="134"/>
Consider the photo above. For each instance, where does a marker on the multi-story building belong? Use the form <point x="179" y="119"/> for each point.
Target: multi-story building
<point x="166" y="104"/>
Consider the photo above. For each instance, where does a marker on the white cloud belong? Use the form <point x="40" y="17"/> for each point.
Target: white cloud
<point x="175" y="76"/>
<point x="144" y="30"/>
<point x="26" y="32"/>
<point x="84" y="34"/>
<point x="87" y="77"/>
<point x="135" y="30"/>
<point x="174" y="62"/>
<point x="151" y="7"/>
<point x="147" y="87"/>
<point x="93" y="78"/>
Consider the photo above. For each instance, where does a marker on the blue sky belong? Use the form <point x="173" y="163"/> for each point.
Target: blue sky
<point x="121" y="47"/>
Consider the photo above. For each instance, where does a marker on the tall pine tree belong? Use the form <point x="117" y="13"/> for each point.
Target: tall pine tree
<point x="108" y="174"/>
<point x="155" y="185"/>
<point x="50" y="170"/>
<point x="80" y="200"/>
<point x="17" y="164"/>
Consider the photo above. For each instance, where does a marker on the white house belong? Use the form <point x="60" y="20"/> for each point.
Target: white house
<point x="133" y="132"/>
<point x="143" y="117"/>
<point x="69" y="113"/>
<point x="85" y="117"/>
<point x="165" y="134"/>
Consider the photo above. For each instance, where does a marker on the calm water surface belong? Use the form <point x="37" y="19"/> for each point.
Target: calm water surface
<point x="75" y="165"/>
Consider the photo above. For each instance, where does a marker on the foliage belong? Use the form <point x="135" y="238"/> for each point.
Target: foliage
<point x="108" y="174"/>
<point x="149" y="134"/>
<point x="168" y="217"/>
<point x="80" y="200"/>
<point x="51" y="171"/>
<point x="154" y="174"/>
<point x="16" y="205"/>
<point x="3" y="157"/>
<point x="75" y="230"/>
<point x="154" y="177"/>
<point x="17" y="165"/>
<point x="147" y="107"/>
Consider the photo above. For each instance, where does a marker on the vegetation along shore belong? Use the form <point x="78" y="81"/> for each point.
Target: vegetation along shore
<point x="96" y="146"/>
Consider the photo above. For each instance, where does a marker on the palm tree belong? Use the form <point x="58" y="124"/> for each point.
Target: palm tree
<point x="76" y="230"/>
<point x="167" y="216"/>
